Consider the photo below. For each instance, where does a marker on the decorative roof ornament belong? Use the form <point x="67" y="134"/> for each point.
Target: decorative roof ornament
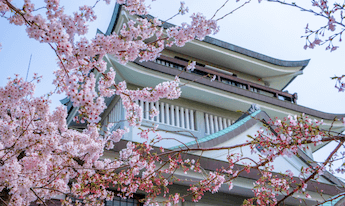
<point x="253" y="108"/>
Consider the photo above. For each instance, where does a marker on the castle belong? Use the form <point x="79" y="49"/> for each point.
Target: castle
<point x="206" y="116"/>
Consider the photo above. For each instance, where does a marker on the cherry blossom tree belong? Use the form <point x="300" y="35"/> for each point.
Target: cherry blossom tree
<point x="42" y="158"/>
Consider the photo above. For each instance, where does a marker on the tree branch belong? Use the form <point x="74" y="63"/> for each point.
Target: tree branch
<point x="312" y="176"/>
<point x="38" y="197"/>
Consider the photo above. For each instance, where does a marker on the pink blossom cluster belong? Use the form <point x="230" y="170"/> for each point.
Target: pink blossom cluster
<point x="334" y="14"/>
<point x="113" y="137"/>
<point x="292" y="133"/>
<point x="264" y="194"/>
<point x="191" y="66"/>
<point x="91" y="185"/>
<point x="339" y="85"/>
<point x="199" y="29"/>
<point x="37" y="149"/>
<point x="153" y="112"/>
<point x="183" y="9"/>
<point x="134" y="6"/>
<point x="212" y="184"/>
<point x="169" y="90"/>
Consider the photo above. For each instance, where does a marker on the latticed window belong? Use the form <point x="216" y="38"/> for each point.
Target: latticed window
<point x="118" y="201"/>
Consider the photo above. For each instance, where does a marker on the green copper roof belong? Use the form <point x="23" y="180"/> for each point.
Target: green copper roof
<point x="333" y="202"/>
<point x="220" y="133"/>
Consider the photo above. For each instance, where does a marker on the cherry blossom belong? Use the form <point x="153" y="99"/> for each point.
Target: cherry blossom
<point x="41" y="158"/>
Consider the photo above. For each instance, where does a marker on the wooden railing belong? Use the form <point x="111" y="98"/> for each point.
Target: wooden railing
<point x="215" y="123"/>
<point x="169" y="114"/>
<point x="228" y="79"/>
<point x="114" y="115"/>
<point x="175" y="117"/>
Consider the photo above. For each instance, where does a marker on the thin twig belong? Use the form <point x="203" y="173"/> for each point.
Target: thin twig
<point x="219" y="9"/>
<point x="233" y="10"/>
<point x="331" y="199"/>
<point x="177" y="141"/>
<point x="43" y="7"/>
<point x="38" y="197"/>
<point x="303" y="9"/>
<point x="170" y="18"/>
<point x="207" y="149"/>
<point x="312" y="176"/>
<point x="95" y="3"/>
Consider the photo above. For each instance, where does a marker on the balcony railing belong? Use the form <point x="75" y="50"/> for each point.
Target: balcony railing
<point x="169" y="114"/>
<point x="184" y="118"/>
<point x="228" y="79"/>
<point x="173" y="118"/>
<point x="215" y="123"/>
<point x="114" y="115"/>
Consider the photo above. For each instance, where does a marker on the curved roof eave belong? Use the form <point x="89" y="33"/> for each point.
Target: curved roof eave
<point x="255" y="55"/>
<point x="242" y="92"/>
<point x="114" y="18"/>
<point x="291" y="80"/>
<point x="219" y="43"/>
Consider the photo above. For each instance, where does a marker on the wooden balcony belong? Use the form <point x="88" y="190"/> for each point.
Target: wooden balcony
<point x="190" y="122"/>
<point x="228" y="79"/>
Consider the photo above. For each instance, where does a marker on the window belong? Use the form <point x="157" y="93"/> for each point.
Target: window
<point x="118" y="201"/>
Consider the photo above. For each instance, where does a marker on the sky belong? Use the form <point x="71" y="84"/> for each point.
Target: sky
<point x="267" y="28"/>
